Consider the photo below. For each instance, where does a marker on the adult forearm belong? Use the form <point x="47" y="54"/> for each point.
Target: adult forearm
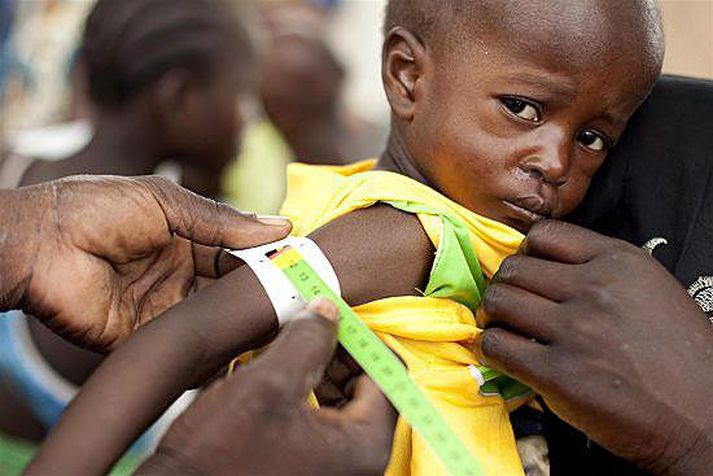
<point x="18" y="230"/>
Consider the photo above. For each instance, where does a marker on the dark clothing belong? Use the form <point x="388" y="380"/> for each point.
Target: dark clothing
<point x="656" y="183"/>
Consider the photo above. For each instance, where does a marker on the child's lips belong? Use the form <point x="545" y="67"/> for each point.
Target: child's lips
<point x="536" y="204"/>
<point x="527" y="211"/>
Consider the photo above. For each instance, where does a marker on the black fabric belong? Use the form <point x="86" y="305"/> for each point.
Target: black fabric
<point x="526" y="421"/>
<point x="657" y="182"/>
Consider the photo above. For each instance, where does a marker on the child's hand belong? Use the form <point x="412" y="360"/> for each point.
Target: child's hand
<point x="339" y="381"/>
<point x="96" y="257"/>
<point x="257" y="421"/>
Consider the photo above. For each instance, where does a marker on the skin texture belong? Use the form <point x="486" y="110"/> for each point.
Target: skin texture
<point x="202" y="333"/>
<point x="126" y="248"/>
<point x="607" y="340"/>
<point x="507" y="120"/>
<point x="264" y="403"/>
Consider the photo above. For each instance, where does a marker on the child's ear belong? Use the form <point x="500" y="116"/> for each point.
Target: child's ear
<point x="403" y="62"/>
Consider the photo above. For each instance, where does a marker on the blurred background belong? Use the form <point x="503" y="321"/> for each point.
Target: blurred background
<point x="319" y="99"/>
<point x="38" y="88"/>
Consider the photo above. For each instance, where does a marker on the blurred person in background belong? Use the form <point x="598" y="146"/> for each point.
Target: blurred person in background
<point x="301" y="84"/>
<point x="7" y="15"/>
<point x="41" y="48"/>
<point x="164" y="79"/>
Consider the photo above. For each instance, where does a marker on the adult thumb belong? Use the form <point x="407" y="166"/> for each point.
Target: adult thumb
<point x="303" y="349"/>
<point x="207" y="222"/>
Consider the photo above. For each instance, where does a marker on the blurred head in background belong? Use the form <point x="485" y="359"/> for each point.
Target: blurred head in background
<point x="301" y="83"/>
<point x="169" y="76"/>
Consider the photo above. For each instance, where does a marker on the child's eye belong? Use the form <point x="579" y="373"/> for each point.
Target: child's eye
<point x="521" y="108"/>
<point x="592" y="140"/>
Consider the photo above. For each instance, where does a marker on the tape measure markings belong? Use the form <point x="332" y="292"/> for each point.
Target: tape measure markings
<point x="380" y="363"/>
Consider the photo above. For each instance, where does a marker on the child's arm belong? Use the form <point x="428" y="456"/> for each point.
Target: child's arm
<point x="376" y="252"/>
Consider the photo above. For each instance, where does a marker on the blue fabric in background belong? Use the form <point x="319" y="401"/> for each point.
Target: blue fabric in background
<point x="7" y="16"/>
<point x="44" y="391"/>
<point x="327" y="3"/>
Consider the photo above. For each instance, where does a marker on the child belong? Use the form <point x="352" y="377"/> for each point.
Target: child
<point x="501" y="113"/>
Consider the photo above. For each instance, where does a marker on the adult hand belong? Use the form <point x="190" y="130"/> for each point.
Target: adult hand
<point x="94" y="257"/>
<point x="257" y="421"/>
<point x="610" y="340"/>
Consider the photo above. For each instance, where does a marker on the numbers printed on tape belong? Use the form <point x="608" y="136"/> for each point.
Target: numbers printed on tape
<point x="383" y="367"/>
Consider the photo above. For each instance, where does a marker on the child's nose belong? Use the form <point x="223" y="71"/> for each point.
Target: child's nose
<point x="549" y="164"/>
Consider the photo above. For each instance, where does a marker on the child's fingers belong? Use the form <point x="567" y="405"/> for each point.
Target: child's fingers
<point x="337" y="385"/>
<point x="211" y="223"/>
<point x="297" y="358"/>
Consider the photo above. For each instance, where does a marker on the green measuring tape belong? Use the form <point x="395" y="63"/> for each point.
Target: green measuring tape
<point x="383" y="367"/>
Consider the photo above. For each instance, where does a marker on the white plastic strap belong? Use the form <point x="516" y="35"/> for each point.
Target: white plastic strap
<point x="282" y="294"/>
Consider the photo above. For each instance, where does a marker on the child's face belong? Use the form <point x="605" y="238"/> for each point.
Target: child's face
<point x="515" y="132"/>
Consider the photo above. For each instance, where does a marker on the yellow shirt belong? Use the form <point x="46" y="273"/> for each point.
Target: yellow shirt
<point x="431" y="334"/>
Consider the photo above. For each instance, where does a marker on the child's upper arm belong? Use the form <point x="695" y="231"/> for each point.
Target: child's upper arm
<point x="376" y="252"/>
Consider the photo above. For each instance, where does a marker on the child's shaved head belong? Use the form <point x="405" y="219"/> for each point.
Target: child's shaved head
<point x="508" y="107"/>
<point x="424" y="17"/>
<point x="588" y="24"/>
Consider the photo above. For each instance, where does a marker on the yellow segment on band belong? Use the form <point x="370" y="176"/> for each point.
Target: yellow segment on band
<point x="286" y="258"/>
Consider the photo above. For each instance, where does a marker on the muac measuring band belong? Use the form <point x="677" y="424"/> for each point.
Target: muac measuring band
<point x="383" y="367"/>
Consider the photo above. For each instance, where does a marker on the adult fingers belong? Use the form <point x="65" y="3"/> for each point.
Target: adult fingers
<point x="212" y="261"/>
<point x="517" y="310"/>
<point x="515" y="355"/>
<point x="546" y="278"/>
<point x="564" y="242"/>
<point x="208" y="222"/>
<point x="296" y="360"/>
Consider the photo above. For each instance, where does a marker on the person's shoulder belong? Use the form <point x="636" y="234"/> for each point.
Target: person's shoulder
<point x="656" y="187"/>
<point x="669" y="135"/>
<point x="675" y="119"/>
